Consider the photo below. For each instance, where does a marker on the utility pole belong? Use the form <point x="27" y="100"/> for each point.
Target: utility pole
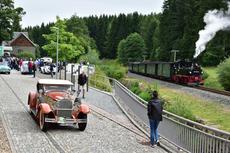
<point x="57" y="30"/>
<point x="174" y="51"/>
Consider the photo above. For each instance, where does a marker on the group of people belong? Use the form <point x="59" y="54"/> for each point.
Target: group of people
<point x="16" y="63"/>
<point x="13" y="62"/>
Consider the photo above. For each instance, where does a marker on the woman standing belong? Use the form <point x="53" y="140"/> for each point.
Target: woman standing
<point x="155" y="116"/>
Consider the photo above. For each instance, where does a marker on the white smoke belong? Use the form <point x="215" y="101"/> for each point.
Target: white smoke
<point x="215" y="20"/>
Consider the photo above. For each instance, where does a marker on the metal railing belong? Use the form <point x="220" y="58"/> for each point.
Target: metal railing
<point x="185" y="134"/>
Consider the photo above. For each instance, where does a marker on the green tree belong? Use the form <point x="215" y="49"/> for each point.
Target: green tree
<point x="180" y="23"/>
<point x="224" y="75"/>
<point x="135" y="47"/>
<point x="10" y="18"/>
<point x="77" y="26"/>
<point x="92" y="56"/>
<point x="131" y="49"/>
<point x="35" y="34"/>
<point x="70" y="46"/>
<point x="150" y="33"/>
<point x="122" y="56"/>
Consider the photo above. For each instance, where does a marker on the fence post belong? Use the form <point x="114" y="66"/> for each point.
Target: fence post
<point x="88" y="78"/>
<point x="78" y="72"/>
<point x="95" y="81"/>
<point x="65" y="71"/>
<point x="71" y="76"/>
<point x="60" y="73"/>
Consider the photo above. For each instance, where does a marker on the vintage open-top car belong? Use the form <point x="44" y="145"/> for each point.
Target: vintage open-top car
<point x="56" y="102"/>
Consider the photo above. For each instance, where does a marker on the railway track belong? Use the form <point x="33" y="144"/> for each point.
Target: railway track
<point x="221" y="92"/>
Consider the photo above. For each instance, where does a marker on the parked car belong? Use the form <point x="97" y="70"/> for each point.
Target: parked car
<point x="47" y="59"/>
<point x="46" y="69"/>
<point x="55" y="102"/>
<point x="4" y="68"/>
<point x="24" y="67"/>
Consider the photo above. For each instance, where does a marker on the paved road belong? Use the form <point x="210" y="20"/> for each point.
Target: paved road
<point x="101" y="134"/>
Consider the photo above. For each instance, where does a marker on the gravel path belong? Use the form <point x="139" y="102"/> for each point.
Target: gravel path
<point x="101" y="134"/>
<point x="194" y="92"/>
<point x="4" y="143"/>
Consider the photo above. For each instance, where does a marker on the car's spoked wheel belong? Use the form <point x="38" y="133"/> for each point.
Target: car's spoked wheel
<point x="82" y="126"/>
<point x="43" y="125"/>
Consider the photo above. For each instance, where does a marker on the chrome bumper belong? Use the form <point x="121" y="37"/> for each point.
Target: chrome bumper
<point x="62" y="120"/>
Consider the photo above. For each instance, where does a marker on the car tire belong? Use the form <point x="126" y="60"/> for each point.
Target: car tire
<point x="82" y="126"/>
<point x="42" y="124"/>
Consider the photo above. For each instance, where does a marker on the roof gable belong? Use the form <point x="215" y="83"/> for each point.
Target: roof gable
<point x="15" y="34"/>
<point x="22" y="40"/>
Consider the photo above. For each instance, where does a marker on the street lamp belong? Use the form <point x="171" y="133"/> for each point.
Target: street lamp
<point x="56" y="28"/>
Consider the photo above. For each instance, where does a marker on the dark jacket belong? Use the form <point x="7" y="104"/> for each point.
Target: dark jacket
<point x="34" y="67"/>
<point x="82" y="79"/>
<point x="155" y="109"/>
<point x="51" y="67"/>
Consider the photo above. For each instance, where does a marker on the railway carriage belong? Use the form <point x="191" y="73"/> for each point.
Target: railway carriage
<point x="183" y="72"/>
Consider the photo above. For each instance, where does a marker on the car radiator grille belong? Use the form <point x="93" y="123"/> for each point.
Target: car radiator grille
<point x="64" y="113"/>
<point x="64" y="108"/>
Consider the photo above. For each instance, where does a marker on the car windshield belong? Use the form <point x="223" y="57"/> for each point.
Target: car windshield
<point x="57" y="88"/>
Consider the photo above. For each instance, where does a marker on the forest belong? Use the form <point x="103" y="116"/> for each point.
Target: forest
<point x="138" y="37"/>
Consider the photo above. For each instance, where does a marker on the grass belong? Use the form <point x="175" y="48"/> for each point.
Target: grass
<point x="99" y="80"/>
<point x="209" y="112"/>
<point x="212" y="80"/>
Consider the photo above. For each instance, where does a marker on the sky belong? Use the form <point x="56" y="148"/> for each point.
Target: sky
<point x="38" y="11"/>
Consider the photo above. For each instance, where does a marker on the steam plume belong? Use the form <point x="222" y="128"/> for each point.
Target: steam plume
<point x="215" y="20"/>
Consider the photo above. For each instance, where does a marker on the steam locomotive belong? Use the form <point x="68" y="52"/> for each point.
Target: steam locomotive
<point x="182" y="72"/>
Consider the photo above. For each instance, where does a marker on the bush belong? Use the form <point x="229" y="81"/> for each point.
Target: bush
<point x="113" y="69"/>
<point x="224" y="74"/>
<point x="26" y="55"/>
<point x="146" y="95"/>
<point x="135" y="88"/>
<point x="100" y="81"/>
<point x="180" y="108"/>
<point x="205" y="75"/>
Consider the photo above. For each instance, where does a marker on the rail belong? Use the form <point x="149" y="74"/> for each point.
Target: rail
<point x="221" y="92"/>
<point x="184" y="133"/>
